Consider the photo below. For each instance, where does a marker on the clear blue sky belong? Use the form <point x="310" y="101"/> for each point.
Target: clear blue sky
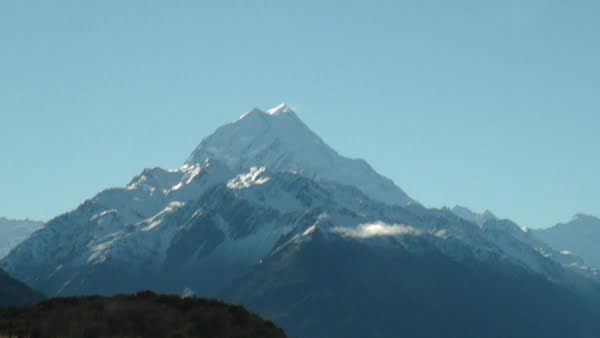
<point x="488" y="104"/>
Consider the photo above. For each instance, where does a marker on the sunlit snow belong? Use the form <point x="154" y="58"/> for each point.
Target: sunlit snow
<point x="249" y="179"/>
<point x="282" y="108"/>
<point x="377" y="229"/>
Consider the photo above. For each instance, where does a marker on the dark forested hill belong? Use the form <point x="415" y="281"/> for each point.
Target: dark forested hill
<point x="145" y="315"/>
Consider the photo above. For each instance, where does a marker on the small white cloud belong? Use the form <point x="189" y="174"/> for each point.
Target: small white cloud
<point x="187" y="293"/>
<point x="377" y="229"/>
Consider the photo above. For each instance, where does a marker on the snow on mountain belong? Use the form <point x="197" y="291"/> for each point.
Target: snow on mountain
<point x="580" y="236"/>
<point x="247" y="191"/>
<point x="280" y="109"/>
<point x="12" y="232"/>
<point x="205" y="241"/>
<point x="319" y="284"/>
<point x="148" y="229"/>
<point x="55" y="253"/>
<point x="521" y="245"/>
<point x="279" y="140"/>
<point x="471" y="216"/>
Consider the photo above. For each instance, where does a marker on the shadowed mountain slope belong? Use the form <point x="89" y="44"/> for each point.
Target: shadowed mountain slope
<point x="14" y="292"/>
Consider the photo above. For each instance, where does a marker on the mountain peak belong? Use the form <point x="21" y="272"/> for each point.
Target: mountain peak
<point x="278" y="140"/>
<point x="282" y="108"/>
<point x="258" y="134"/>
<point x="580" y="217"/>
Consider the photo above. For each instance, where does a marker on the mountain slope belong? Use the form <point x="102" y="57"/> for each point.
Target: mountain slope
<point x="322" y="285"/>
<point x="72" y="244"/>
<point x="522" y="245"/>
<point x="580" y="236"/>
<point x="202" y="243"/>
<point x="473" y="217"/>
<point x="12" y="232"/>
<point x="15" y="293"/>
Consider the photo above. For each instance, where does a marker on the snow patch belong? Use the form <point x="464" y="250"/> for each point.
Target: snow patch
<point x="190" y="172"/>
<point x="135" y="185"/>
<point x="176" y="187"/>
<point x="247" y="180"/>
<point x="99" y="251"/>
<point x="280" y="109"/>
<point x="158" y="218"/>
<point x="102" y="214"/>
<point x="544" y="253"/>
<point x="310" y="230"/>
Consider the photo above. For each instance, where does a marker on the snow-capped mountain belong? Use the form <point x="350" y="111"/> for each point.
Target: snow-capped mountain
<point x="73" y="243"/>
<point x="142" y="224"/>
<point x="252" y="191"/>
<point x="580" y="236"/>
<point x="523" y="246"/>
<point x="143" y="231"/>
<point x="280" y="141"/>
<point x="471" y="216"/>
<point x="12" y="232"/>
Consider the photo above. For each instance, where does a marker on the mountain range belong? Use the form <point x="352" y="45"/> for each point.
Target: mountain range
<point x="266" y="214"/>
<point x="580" y="236"/>
<point x="12" y="232"/>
